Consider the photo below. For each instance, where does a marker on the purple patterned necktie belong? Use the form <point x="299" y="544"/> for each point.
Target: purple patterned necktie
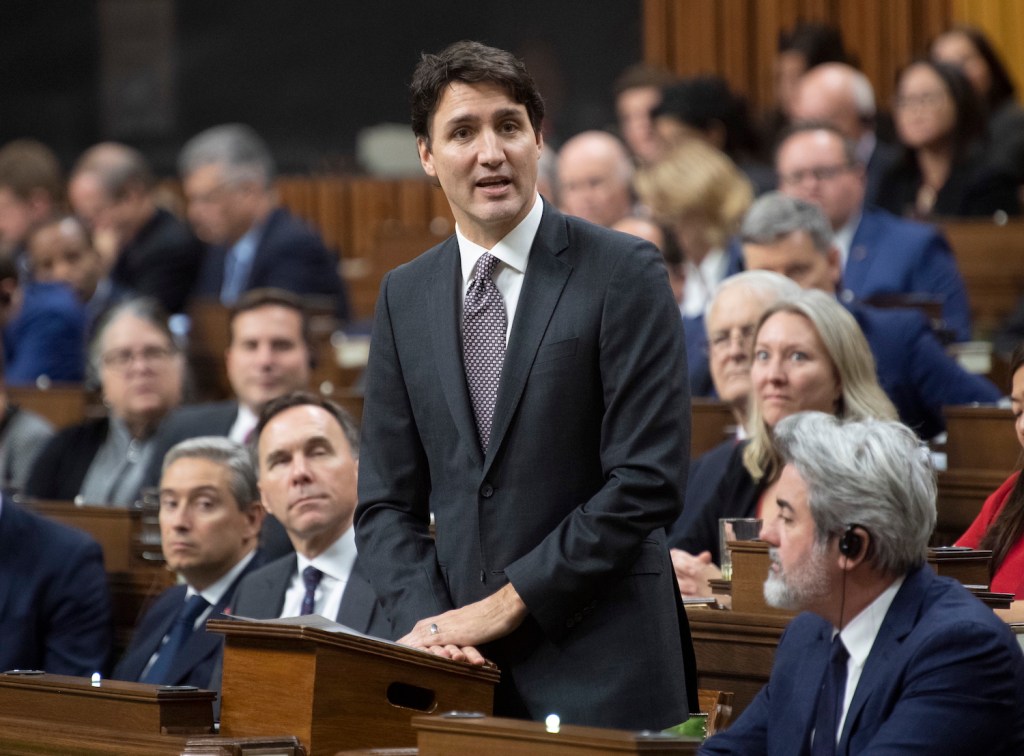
<point x="311" y="579"/>
<point x="483" y="343"/>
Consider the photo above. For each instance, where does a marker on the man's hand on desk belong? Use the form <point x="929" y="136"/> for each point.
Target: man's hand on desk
<point x="456" y="633"/>
<point x="694" y="572"/>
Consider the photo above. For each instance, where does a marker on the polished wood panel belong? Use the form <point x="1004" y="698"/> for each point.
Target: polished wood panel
<point x="991" y="261"/>
<point x="737" y="39"/>
<point x="61" y="404"/>
<point x="711" y="423"/>
<point x="449" y="734"/>
<point x="336" y="691"/>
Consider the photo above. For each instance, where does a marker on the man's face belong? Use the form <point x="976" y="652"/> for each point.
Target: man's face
<point x="60" y="253"/>
<point x="220" y="211"/>
<point x="484" y="152"/>
<point x="308" y="476"/>
<point x="796" y="257"/>
<point x="203" y="531"/>
<point x="633" y="108"/>
<point x="731" y="323"/>
<point x="16" y="217"/>
<point x="812" y="166"/>
<point x="801" y="572"/>
<point x="267" y="356"/>
<point x="121" y="216"/>
<point x="593" y="185"/>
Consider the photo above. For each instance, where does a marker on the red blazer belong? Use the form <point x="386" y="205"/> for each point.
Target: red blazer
<point x="1009" y="577"/>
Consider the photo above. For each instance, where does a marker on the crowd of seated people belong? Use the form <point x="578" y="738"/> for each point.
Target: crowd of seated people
<point x="89" y="295"/>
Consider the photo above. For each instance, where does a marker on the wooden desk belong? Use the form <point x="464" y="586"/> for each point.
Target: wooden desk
<point x="450" y="734"/>
<point x="337" y="691"/>
<point x="61" y="404"/>
<point x="711" y="423"/>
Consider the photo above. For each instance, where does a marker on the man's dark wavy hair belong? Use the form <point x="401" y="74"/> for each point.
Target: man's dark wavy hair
<point x="470" y="62"/>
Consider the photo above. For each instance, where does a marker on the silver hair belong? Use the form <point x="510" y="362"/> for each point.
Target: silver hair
<point x="146" y="309"/>
<point x="774" y="216"/>
<point x="764" y="284"/>
<point x="872" y="473"/>
<point x="238" y="148"/>
<point x="222" y="451"/>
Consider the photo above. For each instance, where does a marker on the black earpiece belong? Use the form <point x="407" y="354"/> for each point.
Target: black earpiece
<point x="851" y="542"/>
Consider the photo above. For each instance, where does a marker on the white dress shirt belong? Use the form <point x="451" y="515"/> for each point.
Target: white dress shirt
<point x="513" y="252"/>
<point x="245" y="423"/>
<point x="336" y="565"/>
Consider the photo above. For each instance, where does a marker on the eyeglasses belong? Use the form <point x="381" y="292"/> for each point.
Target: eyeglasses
<point x="819" y="173"/>
<point x="923" y="100"/>
<point x="122" y="359"/>
<point x="722" y="340"/>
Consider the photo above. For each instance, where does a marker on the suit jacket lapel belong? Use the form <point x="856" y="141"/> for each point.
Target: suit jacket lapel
<point x="546" y="275"/>
<point x="358" y="602"/>
<point x="858" y="263"/>
<point x="898" y="623"/>
<point x="444" y="304"/>
<point x="805" y="704"/>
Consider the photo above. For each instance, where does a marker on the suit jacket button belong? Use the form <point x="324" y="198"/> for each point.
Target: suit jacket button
<point x="487" y="490"/>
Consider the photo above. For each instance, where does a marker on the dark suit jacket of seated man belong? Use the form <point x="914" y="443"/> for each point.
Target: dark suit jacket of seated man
<point x="550" y="555"/>
<point x="210" y="520"/>
<point x="308" y="448"/>
<point x="54" y="602"/>
<point x="929" y="668"/>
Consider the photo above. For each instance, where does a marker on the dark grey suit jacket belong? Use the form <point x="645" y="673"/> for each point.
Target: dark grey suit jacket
<point x="587" y="464"/>
<point x="190" y="421"/>
<point x="260" y="595"/>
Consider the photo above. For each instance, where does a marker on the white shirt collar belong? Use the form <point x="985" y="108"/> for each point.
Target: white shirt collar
<point x="860" y="632"/>
<point x="214" y="592"/>
<point x="843" y="239"/>
<point x="513" y="249"/>
<point x="337" y="560"/>
<point x="245" y="423"/>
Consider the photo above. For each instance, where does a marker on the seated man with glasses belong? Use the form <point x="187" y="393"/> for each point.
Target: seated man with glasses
<point x="141" y="373"/>
<point x="880" y="253"/>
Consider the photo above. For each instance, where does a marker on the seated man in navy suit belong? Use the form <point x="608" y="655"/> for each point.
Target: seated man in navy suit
<point x="887" y="656"/>
<point x="228" y="176"/>
<point x="308" y="448"/>
<point x="879" y="253"/>
<point x="793" y="237"/>
<point x="54" y="602"/>
<point x="210" y="521"/>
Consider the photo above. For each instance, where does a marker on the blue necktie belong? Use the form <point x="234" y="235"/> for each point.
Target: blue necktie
<point x="830" y="701"/>
<point x="311" y="577"/>
<point x="161" y="671"/>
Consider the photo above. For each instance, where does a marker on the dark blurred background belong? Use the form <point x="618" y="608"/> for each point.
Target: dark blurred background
<point x="308" y="75"/>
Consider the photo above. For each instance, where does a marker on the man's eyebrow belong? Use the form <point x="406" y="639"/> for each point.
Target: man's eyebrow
<point x="783" y="504"/>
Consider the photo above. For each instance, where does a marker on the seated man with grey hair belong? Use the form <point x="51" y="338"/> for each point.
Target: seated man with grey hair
<point x="887" y="656"/>
<point x="228" y="176"/>
<point x="210" y="517"/>
<point x="792" y="237"/>
<point x="595" y="175"/>
<point x="731" y="319"/>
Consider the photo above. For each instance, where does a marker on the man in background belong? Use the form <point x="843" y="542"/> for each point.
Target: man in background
<point x="595" y="178"/>
<point x="31" y="190"/>
<point x="210" y="520"/>
<point x="228" y="175"/>
<point x="151" y="252"/>
<point x="887" y="657"/>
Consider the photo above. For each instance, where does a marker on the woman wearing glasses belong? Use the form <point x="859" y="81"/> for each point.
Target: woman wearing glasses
<point x="944" y="171"/>
<point x="141" y="372"/>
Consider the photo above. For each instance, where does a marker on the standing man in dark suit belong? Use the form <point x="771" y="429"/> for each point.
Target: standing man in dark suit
<point x="228" y="175"/>
<point x="308" y="452"/>
<point x="887" y="656"/>
<point x="551" y="464"/>
<point x="54" y="601"/>
<point x="209" y="525"/>
<point x="146" y="249"/>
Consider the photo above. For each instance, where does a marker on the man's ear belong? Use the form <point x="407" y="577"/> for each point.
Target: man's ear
<point x="426" y="158"/>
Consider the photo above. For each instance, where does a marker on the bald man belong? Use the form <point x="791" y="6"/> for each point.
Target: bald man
<point x="594" y="178"/>
<point x="842" y="96"/>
